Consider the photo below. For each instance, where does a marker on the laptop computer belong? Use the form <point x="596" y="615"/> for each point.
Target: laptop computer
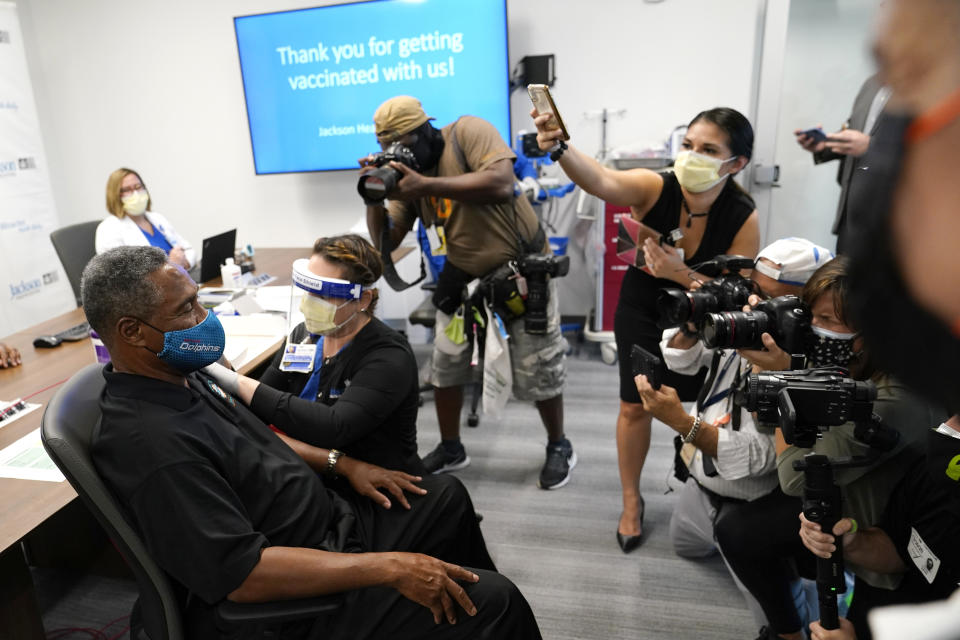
<point x="216" y="250"/>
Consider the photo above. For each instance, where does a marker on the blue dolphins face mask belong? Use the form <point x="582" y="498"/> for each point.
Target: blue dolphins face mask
<point x="189" y="350"/>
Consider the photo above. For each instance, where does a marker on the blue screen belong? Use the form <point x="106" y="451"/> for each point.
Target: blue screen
<point x="313" y="77"/>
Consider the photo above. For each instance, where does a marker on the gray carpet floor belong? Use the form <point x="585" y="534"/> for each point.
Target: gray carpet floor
<point x="558" y="546"/>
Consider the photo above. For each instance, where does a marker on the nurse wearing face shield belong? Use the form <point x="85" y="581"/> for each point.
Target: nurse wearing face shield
<point x="344" y="380"/>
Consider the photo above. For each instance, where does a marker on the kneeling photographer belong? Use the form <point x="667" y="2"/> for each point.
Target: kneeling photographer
<point x="760" y="541"/>
<point x="719" y="445"/>
<point x="916" y="536"/>
<point x="458" y="181"/>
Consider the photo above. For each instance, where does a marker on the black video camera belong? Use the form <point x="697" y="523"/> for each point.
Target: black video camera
<point x="807" y="401"/>
<point x="786" y="319"/>
<point x="728" y="292"/>
<point x="536" y="268"/>
<point x="374" y="185"/>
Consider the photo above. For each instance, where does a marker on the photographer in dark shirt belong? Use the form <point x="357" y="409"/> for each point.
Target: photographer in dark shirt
<point x="229" y="510"/>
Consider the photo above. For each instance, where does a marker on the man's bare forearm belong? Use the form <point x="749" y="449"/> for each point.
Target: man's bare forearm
<point x="285" y="573"/>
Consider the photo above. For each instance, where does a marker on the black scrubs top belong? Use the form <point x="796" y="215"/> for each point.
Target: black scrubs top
<point x="367" y="402"/>
<point x="207" y="484"/>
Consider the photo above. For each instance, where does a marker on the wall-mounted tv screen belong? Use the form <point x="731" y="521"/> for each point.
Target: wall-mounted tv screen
<point x="313" y="77"/>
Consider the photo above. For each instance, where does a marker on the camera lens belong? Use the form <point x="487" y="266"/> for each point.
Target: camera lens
<point x="375" y="185"/>
<point x="676" y="307"/>
<point x="673" y="308"/>
<point x="735" y="329"/>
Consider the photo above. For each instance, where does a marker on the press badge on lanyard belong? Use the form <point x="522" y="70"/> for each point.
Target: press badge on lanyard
<point x="298" y="358"/>
<point x="437" y="240"/>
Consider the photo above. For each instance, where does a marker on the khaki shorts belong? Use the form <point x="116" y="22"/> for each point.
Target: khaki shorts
<point x="538" y="361"/>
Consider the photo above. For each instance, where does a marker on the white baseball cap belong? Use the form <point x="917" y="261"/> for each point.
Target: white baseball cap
<point x="796" y="260"/>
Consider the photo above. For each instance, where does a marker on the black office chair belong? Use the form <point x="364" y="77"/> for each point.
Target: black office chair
<point x="75" y="246"/>
<point x="66" y="428"/>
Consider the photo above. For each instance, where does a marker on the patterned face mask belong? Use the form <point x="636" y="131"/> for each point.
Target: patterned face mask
<point x="830" y="348"/>
<point x="191" y="349"/>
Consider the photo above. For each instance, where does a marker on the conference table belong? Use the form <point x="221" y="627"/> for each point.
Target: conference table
<point x="27" y="504"/>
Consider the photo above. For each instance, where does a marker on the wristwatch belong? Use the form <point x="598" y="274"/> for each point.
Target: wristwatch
<point x="332" y="458"/>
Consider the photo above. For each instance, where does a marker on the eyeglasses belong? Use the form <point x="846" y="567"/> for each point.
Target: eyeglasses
<point x="125" y="191"/>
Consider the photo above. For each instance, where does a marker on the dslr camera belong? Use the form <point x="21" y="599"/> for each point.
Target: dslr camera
<point x="786" y="319"/>
<point x="805" y="402"/>
<point x="374" y="185"/>
<point x="728" y="292"/>
<point x="536" y="268"/>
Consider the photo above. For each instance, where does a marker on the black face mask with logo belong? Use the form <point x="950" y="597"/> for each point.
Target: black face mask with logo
<point x="903" y="337"/>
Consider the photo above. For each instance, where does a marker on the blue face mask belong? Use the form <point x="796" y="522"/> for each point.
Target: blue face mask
<point x="189" y="350"/>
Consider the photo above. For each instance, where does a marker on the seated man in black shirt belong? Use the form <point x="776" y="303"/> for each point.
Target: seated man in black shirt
<point x="229" y="509"/>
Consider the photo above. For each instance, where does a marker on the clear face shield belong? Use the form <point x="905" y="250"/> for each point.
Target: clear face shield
<point x="314" y="301"/>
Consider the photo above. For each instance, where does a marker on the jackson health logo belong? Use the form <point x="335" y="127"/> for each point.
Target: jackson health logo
<point x="8" y="168"/>
<point x="25" y="288"/>
<point x="28" y="287"/>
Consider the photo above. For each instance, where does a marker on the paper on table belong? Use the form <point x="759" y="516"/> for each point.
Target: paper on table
<point x="255" y="324"/>
<point x="25" y="459"/>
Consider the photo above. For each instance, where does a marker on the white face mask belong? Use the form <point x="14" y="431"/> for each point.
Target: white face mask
<point x="136" y="203"/>
<point x="697" y="172"/>
<point x="319" y="315"/>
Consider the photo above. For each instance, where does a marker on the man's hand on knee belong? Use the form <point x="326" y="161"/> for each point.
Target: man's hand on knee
<point x="431" y="583"/>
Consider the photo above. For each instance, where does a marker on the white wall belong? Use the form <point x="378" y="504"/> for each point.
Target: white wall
<point x="156" y="86"/>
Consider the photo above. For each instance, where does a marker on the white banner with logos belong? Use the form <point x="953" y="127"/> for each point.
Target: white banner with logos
<point x="33" y="285"/>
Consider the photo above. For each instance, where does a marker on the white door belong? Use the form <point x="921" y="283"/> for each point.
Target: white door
<point x="824" y="58"/>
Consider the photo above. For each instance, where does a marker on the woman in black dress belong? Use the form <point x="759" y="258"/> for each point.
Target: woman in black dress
<point x="715" y="217"/>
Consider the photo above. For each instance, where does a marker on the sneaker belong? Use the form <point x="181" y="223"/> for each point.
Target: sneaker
<point x="439" y="461"/>
<point x="561" y="459"/>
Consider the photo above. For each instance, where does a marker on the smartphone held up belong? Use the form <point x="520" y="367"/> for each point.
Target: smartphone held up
<point x="543" y="102"/>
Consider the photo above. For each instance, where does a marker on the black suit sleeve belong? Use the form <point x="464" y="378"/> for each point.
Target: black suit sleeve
<point x="373" y="395"/>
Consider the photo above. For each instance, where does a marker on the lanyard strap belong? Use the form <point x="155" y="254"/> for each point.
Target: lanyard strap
<point x="706" y="399"/>
<point x="312" y="388"/>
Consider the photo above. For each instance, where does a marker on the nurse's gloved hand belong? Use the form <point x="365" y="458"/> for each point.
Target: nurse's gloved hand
<point x="228" y="380"/>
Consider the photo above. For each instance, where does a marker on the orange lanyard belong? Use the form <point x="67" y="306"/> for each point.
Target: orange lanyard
<point x="935" y="119"/>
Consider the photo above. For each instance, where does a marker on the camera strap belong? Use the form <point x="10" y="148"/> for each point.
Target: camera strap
<point x="703" y="401"/>
<point x="524" y="247"/>
<point x="389" y="270"/>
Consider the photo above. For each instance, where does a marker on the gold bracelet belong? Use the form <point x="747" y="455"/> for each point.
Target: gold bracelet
<point x="332" y="458"/>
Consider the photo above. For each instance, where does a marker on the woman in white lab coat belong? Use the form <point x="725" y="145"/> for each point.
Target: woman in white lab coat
<point x="132" y="223"/>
